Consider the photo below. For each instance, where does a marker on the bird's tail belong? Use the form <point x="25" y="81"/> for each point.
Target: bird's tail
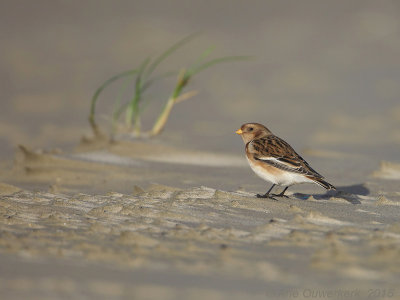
<point x="323" y="183"/>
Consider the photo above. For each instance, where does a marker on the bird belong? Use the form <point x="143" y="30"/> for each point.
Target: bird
<point x="274" y="160"/>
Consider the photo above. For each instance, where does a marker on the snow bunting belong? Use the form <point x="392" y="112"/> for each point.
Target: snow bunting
<point x="274" y="160"/>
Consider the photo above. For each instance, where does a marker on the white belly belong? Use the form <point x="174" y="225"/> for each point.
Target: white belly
<point x="280" y="178"/>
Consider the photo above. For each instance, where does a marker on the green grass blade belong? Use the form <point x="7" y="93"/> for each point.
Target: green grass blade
<point x="117" y="113"/>
<point x="161" y="76"/>
<point x="202" y="57"/>
<point x="138" y="83"/>
<point x="132" y="112"/>
<point x="142" y="69"/>
<point x="168" y="52"/>
<point x="215" y="61"/>
<point x="134" y="102"/>
<point x="103" y="86"/>
<point x="118" y="108"/>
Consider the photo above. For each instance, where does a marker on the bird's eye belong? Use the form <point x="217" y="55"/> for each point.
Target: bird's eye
<point x="251" y="129"/>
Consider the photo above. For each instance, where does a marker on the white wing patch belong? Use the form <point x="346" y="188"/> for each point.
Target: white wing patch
<point x="279" y="163"/>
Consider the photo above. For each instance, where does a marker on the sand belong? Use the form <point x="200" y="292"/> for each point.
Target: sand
<point x="139" y="225"/>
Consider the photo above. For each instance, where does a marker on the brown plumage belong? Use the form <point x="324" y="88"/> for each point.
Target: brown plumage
<point x="275" y="160"/>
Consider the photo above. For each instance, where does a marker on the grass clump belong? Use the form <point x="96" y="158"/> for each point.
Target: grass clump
<point x="143" y="80"/>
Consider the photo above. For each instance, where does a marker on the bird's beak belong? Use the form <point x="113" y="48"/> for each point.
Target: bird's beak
<point x="239" y="131"/>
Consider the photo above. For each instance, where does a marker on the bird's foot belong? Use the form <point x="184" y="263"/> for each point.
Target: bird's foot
<point x="280" y="195"/>
<point x="266" y="196"/>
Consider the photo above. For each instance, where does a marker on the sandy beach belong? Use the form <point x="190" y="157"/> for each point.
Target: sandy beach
<point x="189" y="231"/>
<point x="176" y="216"/>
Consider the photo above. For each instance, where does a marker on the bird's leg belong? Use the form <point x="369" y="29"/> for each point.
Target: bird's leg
<point x="282" y="194"/>
<point x="266" y="195"/>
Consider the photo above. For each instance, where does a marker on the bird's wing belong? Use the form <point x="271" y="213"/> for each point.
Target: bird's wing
<point x="276" y="152"/>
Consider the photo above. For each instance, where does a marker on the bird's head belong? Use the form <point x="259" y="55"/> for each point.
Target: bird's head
<point x="251" y="131"/>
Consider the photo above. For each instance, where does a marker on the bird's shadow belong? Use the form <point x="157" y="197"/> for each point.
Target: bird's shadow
<point x="350" y="193"/>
